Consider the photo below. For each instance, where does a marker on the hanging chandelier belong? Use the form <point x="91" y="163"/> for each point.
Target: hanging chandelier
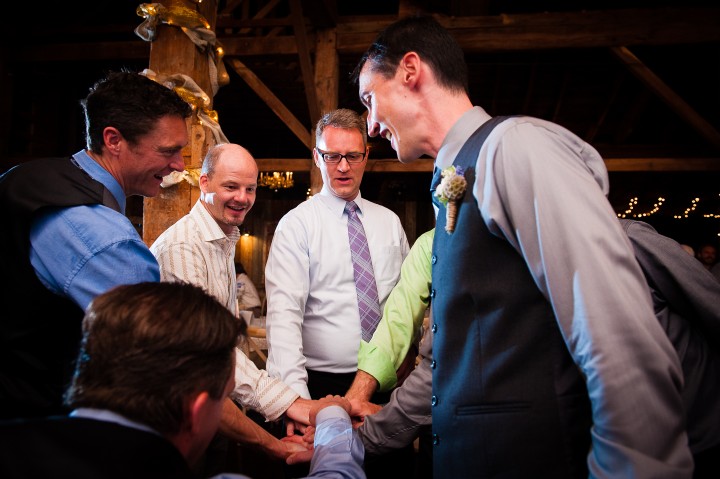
<point x="276" y="179"/>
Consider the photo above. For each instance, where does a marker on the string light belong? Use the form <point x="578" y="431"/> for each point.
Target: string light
<point x="688" y="210"/>
<point x="712" y="215"/>
<point x="633" y="203"/>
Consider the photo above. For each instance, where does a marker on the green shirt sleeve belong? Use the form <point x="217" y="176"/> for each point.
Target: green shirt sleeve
<point x="402" y="316"/>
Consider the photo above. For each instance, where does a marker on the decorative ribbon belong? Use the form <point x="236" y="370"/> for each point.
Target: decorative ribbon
<point x="194" y="25"/>
<point x="189" y="91"/>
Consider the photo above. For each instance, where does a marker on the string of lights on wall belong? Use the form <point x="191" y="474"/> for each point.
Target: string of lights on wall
<point x="633" y="203"/>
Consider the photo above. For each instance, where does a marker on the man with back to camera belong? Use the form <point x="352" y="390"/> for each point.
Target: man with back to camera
<point x="129" y="421"/>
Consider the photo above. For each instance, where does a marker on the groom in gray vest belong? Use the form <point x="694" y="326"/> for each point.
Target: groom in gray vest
<point x="548" y="359"/>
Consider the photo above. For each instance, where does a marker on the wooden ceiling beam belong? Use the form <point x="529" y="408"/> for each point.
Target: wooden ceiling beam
<point x="668" y="95"/>
<point x="275" y="104"/>
<point x="591" y="29"/>
<point x="392" y="165"/>
<point x="611" y="28"/>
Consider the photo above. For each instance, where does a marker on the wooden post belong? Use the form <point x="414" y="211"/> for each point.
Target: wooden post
<point x="172" y="53"/>
<point x="326" y="85"/>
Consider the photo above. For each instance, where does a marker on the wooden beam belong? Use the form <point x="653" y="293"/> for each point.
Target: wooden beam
<point x="668" y="95"/>
<point x="174" y="53"/>
<point x="306" y="67"/>
<point x="327" y="68"/>
<point x="272" y="101"/>
<point x="662" y="164"/>
<point x="591" y="29"/>
<point x="392" y="165"/>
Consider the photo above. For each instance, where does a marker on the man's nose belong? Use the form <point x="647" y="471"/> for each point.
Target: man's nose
<point x="372" y="126"/>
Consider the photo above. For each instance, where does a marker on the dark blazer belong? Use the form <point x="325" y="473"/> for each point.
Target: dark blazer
<point x="79" y="448"/>
<point x="686" y="299"/>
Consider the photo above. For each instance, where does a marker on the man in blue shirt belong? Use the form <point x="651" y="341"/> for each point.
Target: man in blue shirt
<point x="68" y="238"/>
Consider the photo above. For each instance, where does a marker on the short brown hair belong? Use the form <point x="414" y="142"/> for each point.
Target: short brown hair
<point x="341" y="118"/>
<point x="147" y="347"/>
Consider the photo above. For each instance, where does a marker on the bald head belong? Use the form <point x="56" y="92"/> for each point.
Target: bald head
<point x="228" y="184"/>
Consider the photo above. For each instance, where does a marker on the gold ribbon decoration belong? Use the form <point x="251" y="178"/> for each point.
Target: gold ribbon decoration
<point x="194" y="25"/>
<point x="189" y="91"/>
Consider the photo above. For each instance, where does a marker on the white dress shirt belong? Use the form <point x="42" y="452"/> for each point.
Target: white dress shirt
<point x="195" y="249"/>
<point x="312" y="318"/>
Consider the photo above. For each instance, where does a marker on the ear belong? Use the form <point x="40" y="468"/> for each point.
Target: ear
<point x="112" y="139"/>
<point x="196" y="411"/>
<point x="367" y="152"/>
<point x="410" y="68"/>
<point x="316" y="157"/>
<point x="202" y="182"/>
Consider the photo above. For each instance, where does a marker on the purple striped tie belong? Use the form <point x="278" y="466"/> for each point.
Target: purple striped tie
<point x="367" y="294"/>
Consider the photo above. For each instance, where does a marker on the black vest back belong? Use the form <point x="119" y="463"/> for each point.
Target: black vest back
<point x="39" y="341"/>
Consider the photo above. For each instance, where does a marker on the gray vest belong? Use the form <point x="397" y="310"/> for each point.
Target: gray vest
<point x="508" y="401"/>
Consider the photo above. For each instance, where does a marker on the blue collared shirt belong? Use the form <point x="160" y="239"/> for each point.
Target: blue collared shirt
<point x="82" y="251"/>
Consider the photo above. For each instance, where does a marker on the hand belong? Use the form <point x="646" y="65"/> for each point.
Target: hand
<point x="299" y="410"/>
<point x="300" y="456"/>
<point x="328" y="401"/>
<point x="307" y="439"/>
<point x="288" y="447"/>
<point x="292" y="426"/>
<point x="360" y="409"/>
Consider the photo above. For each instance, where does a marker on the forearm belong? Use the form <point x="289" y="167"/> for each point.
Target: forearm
<point x="398" y="423"/>
<point x="238" y="427"/>
<point x="363" y="387"/>
<point x="255" y="389"/>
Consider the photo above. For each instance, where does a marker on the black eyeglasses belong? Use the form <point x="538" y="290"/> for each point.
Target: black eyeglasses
<point x="333" y="158"/>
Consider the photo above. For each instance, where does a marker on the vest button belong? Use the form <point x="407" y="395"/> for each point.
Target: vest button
<point x="434" y="328"/>
<point x="432" y="293"/>
<point x="435" y="439"/>
<point x="433" y="364"/>
<point x="434" y="400"/>
<point x="433" y="259"/>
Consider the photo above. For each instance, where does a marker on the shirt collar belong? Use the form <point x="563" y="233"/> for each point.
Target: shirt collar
<point x="110" y="416"/>
<point x="458" y="135"/>
<point x="213" y="232"/>
<point x="98" y="173"/>
<point x="337" y="205"/>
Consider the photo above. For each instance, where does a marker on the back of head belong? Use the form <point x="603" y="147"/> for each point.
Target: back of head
<point x="147" y="347"/>
<point x="426" y="37"/>
<point x="341" y="118"/>
<point x="130" y="102"/>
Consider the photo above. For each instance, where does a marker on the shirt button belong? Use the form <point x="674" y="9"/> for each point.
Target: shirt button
<point x="435" y="439"/>
<point x="433" y="364"/>
<point x="434" y="400"/>
<point x="433" y="259"/>
<point x="434" y="328"/>
<point x="432" y="293"/>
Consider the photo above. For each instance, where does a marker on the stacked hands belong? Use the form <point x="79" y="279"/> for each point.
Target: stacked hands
<point x="301" y="420"/>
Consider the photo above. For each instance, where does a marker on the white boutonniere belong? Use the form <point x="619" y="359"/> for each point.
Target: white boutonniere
<point x="450" y="191"/>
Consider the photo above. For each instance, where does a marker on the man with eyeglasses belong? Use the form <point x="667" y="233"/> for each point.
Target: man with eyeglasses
<point x="313" y="317"/>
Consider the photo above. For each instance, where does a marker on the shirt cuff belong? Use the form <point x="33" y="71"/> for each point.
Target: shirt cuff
<point x="377" y="363"/>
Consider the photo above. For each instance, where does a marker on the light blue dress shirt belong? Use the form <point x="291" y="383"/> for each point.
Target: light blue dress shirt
<point x="82" y="251"/>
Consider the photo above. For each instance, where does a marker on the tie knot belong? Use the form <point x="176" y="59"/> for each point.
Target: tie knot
<point x="350" y="207"/>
